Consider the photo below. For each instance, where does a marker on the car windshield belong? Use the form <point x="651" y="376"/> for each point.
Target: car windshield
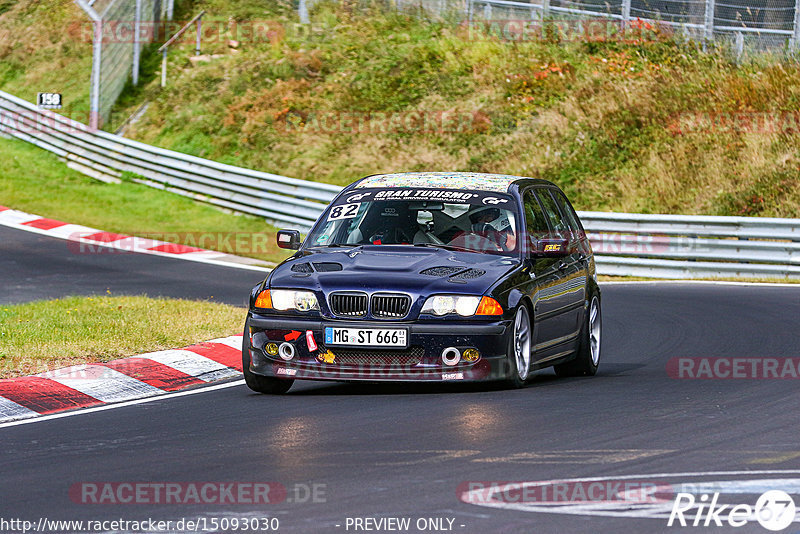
<point x="476" y="221"/>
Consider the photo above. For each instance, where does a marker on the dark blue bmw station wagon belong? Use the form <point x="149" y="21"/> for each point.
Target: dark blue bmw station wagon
<point x="434" y="276"/>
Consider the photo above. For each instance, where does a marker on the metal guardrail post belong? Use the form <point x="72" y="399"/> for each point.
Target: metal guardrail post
<point x="164" y="68"/>
<point x="97" y="56"/>
<point x="137" y="45"/>
<point x="199" y="34"/>
<point x="302" y="11"/>
<point x="546" y="9"/>
<point x="198" y="19"/>
<point x="795" y="40"/>
<point x="708" y="25"/>
<point x="739" y="46"/>
<point x="626" y="13"/>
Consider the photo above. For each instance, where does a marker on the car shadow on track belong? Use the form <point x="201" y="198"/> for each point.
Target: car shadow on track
<point x="400" y="388"/>
<point x="544" y="378"/>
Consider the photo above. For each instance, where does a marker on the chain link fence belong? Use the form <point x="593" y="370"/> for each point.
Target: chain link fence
<point x="744" y="25"/>
<point x="120" y="28"/>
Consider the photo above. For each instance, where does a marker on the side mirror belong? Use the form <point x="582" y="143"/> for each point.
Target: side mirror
<point x="550" y="247"/>
<point x="289" y="239"/>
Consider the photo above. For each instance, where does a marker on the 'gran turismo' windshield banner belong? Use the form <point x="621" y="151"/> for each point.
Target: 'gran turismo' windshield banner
<point x="453" y="196"/>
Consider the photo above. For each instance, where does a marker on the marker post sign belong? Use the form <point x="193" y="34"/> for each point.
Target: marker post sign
<point x="48" y="100"/>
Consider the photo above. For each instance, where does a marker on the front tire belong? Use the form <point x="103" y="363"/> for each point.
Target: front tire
<point x="519" y="348"/>
<point x="258" y="383"/>
<point x="588" y="355"/>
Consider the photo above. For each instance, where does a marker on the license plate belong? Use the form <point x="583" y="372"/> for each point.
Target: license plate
<point x="366" y="337"/>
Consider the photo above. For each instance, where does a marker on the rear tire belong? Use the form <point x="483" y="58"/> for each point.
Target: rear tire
<point x="519" y="348"/>
<point x="258" y="383"/>
<point x="587" y="358"/>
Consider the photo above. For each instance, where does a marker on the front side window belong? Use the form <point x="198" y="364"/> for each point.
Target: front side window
<point x="476" y="221"/>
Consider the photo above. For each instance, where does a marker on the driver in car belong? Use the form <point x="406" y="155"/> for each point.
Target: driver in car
<point x="481" y="225"/>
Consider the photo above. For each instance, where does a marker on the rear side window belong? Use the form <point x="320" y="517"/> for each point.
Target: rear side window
<point x="569" y="213"/>
<point x="552" y="212"/>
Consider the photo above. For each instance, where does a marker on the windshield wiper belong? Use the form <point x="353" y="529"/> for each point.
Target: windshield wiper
<point x="442" y="245"/>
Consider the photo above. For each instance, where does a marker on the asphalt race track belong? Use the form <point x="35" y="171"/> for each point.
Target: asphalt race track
<point x="404" y="451"/>
<point x="34" y="267"/>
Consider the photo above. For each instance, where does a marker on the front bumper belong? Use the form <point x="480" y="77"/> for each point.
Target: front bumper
<point x="421" y="362"/>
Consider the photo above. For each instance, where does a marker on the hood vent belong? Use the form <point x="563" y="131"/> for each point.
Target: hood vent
<point x="327" y="267"/>
<point x="441" y="271"/>
<point x="302" y="268"/>
<point x="320" y="267"/>
<point x="469" y="274"/>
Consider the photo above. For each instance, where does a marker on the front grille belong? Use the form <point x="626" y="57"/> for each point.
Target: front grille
<point x="348" y="304"/>
<point x="390" y="306"/>
<point x="383" y="359"/>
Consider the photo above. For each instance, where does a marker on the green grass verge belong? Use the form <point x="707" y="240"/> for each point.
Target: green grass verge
<point x="45" y="335"/>
<point x="36" y="181"/>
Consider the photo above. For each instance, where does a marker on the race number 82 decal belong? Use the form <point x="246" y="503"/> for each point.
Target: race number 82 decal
<point x="345" y="211"/>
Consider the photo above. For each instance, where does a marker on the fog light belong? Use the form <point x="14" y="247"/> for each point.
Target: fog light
<point x="470" y="355"/>
<point x="272" y="349"/>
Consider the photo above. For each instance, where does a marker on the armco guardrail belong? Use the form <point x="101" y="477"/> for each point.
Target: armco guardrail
<point x="106" y="156"/>
<point x="659" y="246"/>
<point x="683" y="246"/>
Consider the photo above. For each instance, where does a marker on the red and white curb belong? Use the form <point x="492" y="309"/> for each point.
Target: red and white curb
<point x="145" y="375"/>
<point x="86" y="237"/>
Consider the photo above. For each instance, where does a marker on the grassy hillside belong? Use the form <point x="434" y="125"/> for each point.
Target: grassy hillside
<point x="40" y="51"/>
<point x="611" y="122"/>
<point x="614" y="123"/>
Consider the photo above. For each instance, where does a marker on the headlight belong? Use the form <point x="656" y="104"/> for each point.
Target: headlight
<point x="445" y="304"/>
<point x="287" y="299"/>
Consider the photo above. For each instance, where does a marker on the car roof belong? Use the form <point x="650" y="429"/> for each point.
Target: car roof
<point x="476" y="181"/>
